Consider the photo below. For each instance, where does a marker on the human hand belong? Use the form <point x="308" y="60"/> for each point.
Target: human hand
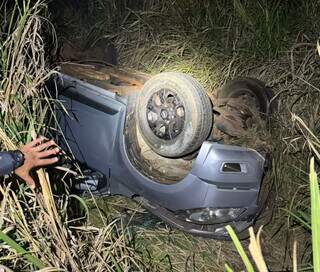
<point x="35" y="155"/>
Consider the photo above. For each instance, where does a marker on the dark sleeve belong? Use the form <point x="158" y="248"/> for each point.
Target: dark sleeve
<point x="7" y="163"/>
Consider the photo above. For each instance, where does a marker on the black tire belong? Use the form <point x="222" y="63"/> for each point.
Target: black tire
<point x="174" y="114"/>
<point x="254" y="87"/>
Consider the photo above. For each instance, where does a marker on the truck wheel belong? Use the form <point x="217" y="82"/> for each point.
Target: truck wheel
<point x="253" y="92"/>
<point x="174" y="114"/>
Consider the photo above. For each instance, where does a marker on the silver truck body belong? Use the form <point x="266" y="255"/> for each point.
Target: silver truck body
<point x="94" y="128"/>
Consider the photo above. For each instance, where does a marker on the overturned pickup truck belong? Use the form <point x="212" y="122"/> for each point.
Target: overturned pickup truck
<point x="161" y="141"/>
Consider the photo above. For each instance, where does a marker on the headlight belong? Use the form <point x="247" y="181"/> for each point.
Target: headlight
<point x="210" y="215"/>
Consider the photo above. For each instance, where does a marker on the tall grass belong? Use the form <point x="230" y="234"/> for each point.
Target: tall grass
<point x="35" y="226"/>
<point x="315" y="219"/>
<point x="255" y="248"/>
<point x="263" y="29"/>
<point x="307" y="212"/>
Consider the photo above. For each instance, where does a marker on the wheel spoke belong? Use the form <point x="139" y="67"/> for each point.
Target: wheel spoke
<point x="165" y="114"/>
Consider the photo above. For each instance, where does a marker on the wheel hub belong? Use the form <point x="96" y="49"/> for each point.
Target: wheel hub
<point x="165" y="114"/>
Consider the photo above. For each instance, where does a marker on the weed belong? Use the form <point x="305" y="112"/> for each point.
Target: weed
<point x="35" y="230"/>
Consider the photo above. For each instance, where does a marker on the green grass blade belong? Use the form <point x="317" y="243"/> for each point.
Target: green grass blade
<point x="299" y="219"/>
<point x="240" y="249"/>
<point x="315" y="216"/>
<point x="20" y="250"/>
<point x="118" y="268"/>
<point x="83" y="204"/>
<point x="227" y="268"/>
<point x="305" y="216"/>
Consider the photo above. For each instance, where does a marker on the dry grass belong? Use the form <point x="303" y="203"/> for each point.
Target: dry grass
<point x="40" y="222"/>
<point x="214" y="41"/>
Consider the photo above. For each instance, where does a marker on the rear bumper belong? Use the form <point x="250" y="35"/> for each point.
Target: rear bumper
<point x="229" y="167"/>
<point x="224" y="189"/>
<point x="215" y="231"/>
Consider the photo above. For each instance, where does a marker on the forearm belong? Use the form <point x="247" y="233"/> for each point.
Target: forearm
<point x="7" y="163"/>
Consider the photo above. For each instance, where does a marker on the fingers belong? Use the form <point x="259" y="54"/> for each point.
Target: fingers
<point x="36" y="155"/>
<point x="48" y="153"/>
<point x="35" y="142"/>
<point x="43" y="162"/>
<point x="45" y="145"/>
